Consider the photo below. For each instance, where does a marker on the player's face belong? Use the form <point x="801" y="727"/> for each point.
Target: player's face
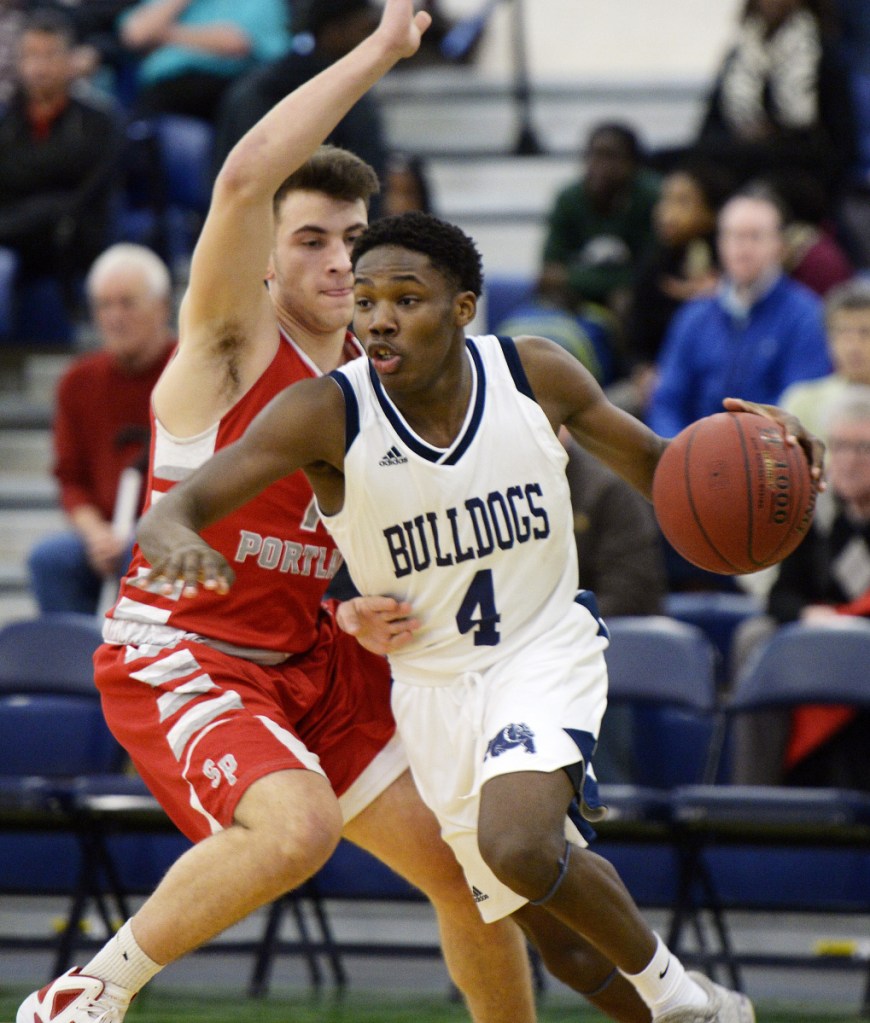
<point x="749" y="240"/>
<point x="309" y="272"/>
<point x="849" y="339"/>
<point x="131" y="319"/>
<point x="410" y="318"/>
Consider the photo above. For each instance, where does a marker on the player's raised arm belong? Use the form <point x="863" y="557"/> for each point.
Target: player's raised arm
<point x="278" y="442"/>
<point x="570" y="396"/>
<point x="233" y="249"/>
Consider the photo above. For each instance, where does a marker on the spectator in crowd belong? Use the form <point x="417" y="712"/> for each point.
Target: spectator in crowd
<point x="101" y="426"/>
<point x="406" y="185"/>
<point x="813" y="253"/>
<point x="781" y="99"/>
<point x="680" y="264"/>
<point x="58" y="153"/>
<point x="191" y="50"/>
<point x="335" y="26"/>
<point x="759" y="333"/>
<point x="587" y="334"/>
<point x="11" y="23"/>
<point x="847" y="321"/>
<point x="600" y="224"/>
<point x="828" y="575"/>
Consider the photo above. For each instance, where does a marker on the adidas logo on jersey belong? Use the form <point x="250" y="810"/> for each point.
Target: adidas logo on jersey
<point x="393" y="457"/>
<point x="479" y="896"/>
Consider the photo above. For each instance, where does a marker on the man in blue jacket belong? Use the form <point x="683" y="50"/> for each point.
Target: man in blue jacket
<point x="759" y="333"/>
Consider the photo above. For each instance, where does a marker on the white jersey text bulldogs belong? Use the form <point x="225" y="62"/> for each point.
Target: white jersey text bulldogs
<point x="477" y="537"/>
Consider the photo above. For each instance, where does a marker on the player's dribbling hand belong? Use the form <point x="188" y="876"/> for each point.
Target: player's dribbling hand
<point x="189" y="567"/>
<point x="795" y="433"/>
<point x="380" y="624"/>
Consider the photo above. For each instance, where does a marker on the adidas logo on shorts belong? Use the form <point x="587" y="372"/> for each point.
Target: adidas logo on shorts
<point x="393" y="457"/>
<point x="479" y="896"/>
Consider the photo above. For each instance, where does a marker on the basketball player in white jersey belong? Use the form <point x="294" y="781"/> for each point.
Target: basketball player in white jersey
<point x="436" y="464"/>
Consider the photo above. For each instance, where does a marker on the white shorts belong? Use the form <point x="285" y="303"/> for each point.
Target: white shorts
<point x="540" y="710"/>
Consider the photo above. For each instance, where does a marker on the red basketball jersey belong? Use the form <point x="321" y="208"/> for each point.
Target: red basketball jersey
<point x="282" y="556"/>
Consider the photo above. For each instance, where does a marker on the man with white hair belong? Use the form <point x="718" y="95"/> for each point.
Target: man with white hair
<point x="101" y="426"/>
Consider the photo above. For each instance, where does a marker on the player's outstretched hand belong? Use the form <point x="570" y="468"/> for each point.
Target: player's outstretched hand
<point x="380" y="624"/>
<point x="402" y="29"/>
<point x="795" y="433"/>
<point x="189" y="566"/>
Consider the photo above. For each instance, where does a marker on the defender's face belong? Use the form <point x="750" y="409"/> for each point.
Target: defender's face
<point x="309" y="270"/>
<point x="407" y="315"/>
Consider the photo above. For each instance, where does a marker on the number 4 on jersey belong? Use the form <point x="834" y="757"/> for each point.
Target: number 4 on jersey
<point x="480" y="595"/>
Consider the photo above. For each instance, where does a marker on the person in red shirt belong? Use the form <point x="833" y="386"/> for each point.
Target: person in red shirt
<point x="101" y="426"/>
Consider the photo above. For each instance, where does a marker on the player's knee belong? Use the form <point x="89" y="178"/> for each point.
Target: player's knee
<point x="524" y="862"/>
<point x="294" y="828"/>
<point x="291" y="852"/>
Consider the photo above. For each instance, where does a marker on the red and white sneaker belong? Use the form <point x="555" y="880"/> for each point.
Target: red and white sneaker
<point x="74" y="998"/>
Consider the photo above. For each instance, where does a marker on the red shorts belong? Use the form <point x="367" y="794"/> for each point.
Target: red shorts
<point x="201" y="725"/>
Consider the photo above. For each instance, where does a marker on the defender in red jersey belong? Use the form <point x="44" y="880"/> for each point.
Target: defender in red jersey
<point x="248" y="714"/>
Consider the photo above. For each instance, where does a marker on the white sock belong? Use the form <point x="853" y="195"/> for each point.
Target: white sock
<point x="664" y="984"/>
<point x="122" y="964"/>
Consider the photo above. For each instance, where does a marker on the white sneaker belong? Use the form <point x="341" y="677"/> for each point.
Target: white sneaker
<point x="72" y="998"/>
<point x="724" y="1006"/>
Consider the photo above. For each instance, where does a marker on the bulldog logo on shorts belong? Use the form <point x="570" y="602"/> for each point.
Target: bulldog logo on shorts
<point x="511" y="737"/>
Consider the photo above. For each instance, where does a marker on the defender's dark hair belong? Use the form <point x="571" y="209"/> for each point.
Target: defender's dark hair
<point x="449" y="249"/>
<point x="336" y="172"/>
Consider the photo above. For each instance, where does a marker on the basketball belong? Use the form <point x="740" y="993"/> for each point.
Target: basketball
<point x="731" y="496"/>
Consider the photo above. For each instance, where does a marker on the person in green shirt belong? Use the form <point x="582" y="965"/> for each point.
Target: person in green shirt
<point x="600" y="224"/>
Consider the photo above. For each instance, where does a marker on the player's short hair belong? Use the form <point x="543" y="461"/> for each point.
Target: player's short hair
<point x="851" y="295"/>
<point x="51" y="22"/>
<point x="335" y="172"/>
<point x="449" y="249"/>
<point x="127" y="254"/>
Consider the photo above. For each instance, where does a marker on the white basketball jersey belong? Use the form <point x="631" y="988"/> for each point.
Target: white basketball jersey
<point x="477" y="537"/>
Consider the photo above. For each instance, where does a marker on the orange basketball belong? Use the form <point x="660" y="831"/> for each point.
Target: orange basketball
<point x="731" y="496"/>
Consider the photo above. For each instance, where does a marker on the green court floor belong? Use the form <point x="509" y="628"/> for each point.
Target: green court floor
<point x="187" y="1007"/>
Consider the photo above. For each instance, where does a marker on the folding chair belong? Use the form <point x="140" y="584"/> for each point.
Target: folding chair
<point x="51" y="732"/>
<point x="662" y="684"/>
<point x="800" y="664"/>
<point x="719" y="614"/>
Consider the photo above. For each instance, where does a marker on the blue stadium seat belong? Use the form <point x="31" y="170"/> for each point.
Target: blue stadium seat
<point x="779" y="834"/>
<point x="719" y="614"/>
<point x="168" y="169"/>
